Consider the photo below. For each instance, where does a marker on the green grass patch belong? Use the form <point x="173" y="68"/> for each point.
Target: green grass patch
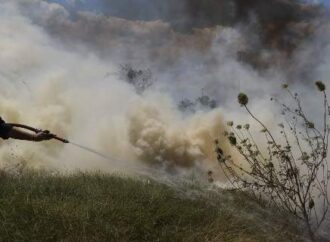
<point x="96" y="207"/>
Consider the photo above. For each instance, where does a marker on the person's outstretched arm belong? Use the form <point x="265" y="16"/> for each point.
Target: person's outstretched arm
<point x="17" y="133"/>
<point x="8" y="131"/>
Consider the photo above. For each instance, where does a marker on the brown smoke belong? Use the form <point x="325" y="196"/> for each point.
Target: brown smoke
<point x="58" y="72"/>
<point x="161" y="33"/>
<point x="282" y="24"/>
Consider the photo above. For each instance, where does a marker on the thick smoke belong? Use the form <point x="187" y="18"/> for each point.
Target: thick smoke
<point x="70" y="93"/>
<point x="278" y="27"/>
<point x="59" y="69"/>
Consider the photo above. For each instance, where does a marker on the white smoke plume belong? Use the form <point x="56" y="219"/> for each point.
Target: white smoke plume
<point x="60" y="71"/>
<point x="69" y="93"/>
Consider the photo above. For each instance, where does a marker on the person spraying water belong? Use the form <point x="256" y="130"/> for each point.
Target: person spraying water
<point x="23" y="132"/>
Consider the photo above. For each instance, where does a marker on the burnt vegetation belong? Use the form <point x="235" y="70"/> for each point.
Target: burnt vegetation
<point x="140" y="79"/>
<point x="203" y="102"/>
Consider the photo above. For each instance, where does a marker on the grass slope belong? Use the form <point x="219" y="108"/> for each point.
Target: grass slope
<point x="95" y="207"/>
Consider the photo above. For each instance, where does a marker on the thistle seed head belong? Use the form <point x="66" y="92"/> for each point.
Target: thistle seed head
<point x="320" y="86"/>
<point x="243" y="99"/>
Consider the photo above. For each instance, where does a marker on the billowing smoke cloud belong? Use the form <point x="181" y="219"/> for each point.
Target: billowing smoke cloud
<point x="161" y="33"/>
<point x="279" y="24"/>
<point x="45" y="85"/>
<point x="59" y="70"/>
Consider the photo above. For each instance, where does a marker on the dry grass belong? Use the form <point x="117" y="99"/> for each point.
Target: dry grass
<point x="96" y="207"/>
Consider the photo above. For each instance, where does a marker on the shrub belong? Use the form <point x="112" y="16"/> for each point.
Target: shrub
<point x="292" y="171"/>
<point x="202" y="102"/>
<point x="140" y="79"/>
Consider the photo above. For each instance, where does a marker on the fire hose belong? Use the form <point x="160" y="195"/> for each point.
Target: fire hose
<point x="88" y="149"/>
<point x="22" y="126"/>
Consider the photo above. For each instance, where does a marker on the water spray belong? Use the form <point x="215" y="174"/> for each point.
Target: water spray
<point x="147" y="171"/>
<point x="22" y="126"/>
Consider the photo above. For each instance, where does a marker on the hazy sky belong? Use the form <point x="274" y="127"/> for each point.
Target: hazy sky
<point x="97" y="6"/>
<point x="326" y="2"/>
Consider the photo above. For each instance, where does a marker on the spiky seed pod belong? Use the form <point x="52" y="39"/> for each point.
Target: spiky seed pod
<point x="310" y="125"/>
<point x="263" y="130"/>
<point x="230" y="123"/>
<point x="243" y="99"/>
<point x="232" y="140"/>
<point x="305" y="157"/>
<point x="247" y="126"/>
<point x="219" y="151"/>
<point x="320" y="86"/>
<point x="244" y="141"/>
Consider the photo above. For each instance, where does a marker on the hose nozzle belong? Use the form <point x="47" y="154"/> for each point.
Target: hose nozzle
<point x="54" y="136"/>
<point x="61" y="139"/>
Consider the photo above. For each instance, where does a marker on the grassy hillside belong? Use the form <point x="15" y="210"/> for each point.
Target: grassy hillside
<point x="95" y="207"/>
